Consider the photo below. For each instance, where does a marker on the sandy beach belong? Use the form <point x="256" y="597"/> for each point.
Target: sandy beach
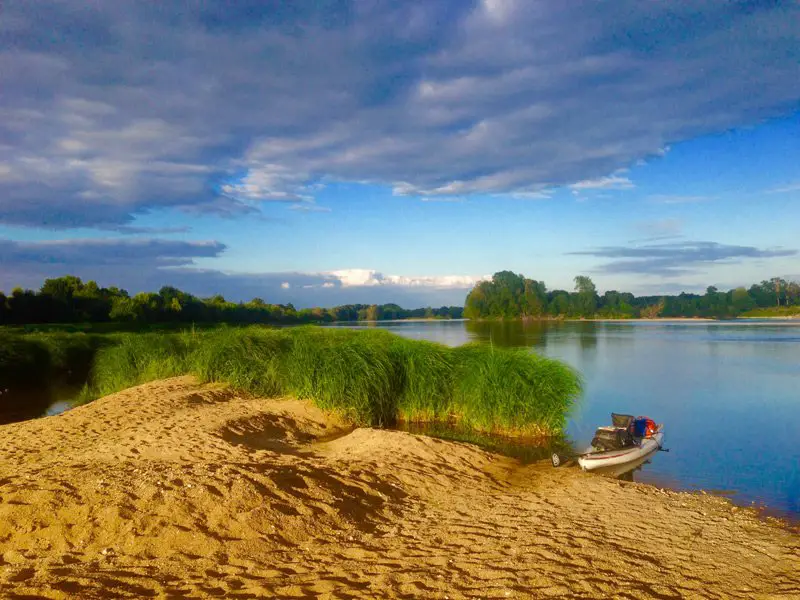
<point x="177" y="489"/>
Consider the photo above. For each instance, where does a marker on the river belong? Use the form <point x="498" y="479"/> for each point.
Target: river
<point x="728" y="394"/>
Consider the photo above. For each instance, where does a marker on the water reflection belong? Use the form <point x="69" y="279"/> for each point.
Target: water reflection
<point x="21" y="404"/>
<point x="510" y="333"/>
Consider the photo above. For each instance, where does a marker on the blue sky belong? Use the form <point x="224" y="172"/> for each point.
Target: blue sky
<point x="333" y="152"/>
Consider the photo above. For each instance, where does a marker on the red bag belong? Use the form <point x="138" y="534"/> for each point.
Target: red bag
<point x="644" y="427"/>
<point x="650" y="427"/>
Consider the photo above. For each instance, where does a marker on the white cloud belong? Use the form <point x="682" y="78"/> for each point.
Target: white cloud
<point x="545" y="194"/>
<point x="453" y="199"/>
<point x="793" y="187"/>
<point x="612" y="182"/>
<point x="309" y="207"/>
<point x="285" y="285"/>
<point x="678" y="199"/>
<point x="369" y="277"/>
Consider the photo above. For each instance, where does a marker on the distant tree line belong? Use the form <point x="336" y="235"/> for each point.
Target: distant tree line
<point x="509" y="295"/>
<point x="70" y="300"/>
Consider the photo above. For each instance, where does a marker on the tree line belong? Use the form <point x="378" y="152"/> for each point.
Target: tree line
<point x="70" y="300"/>
<point x="509" y="295"/>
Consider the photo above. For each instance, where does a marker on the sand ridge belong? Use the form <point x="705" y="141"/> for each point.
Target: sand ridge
<point x="177" y="489"/>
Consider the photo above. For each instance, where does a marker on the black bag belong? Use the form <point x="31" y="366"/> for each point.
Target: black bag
<point x="606" y="438"/>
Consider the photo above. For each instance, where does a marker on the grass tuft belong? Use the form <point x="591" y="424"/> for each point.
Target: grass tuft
<point x="370" y="377"/>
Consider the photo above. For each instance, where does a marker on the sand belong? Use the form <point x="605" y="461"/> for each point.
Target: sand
<point x="177" y="489"/>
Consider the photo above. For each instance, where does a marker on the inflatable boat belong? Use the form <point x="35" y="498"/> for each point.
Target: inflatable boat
<point x="623" y="446"/>
<point x="638" y="451"/>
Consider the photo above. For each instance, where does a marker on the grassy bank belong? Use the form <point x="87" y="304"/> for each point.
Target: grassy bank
<point x="775" y="312"/>
<point x="371" y="377"/>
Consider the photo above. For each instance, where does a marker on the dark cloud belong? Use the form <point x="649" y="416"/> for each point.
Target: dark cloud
<point x="115" y="108"/>
<point x="77" y="254"/>
<point x="675" y="258"/>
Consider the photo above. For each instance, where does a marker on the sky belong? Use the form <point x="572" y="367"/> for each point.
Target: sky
<point x="324" y="152"/>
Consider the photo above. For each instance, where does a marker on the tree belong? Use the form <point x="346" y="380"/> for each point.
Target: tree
<point x="587" y="295"/>
<point x="476" y="305"/>
<point x="125" y="309"/>
<point x="780" y="288"/>
<point x="792" y="292"/>
<point x="509" y="288"/>
<point x="4" y="312"/>
<point x="534" y="298"/>
<point x="559" y="303"/>
<point x="62" y="288"/>
<point x="741" y="300"/>
<point x="373" y="313"/>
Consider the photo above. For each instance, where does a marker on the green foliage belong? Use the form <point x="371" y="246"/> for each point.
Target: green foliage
<point x="586" y="300"/>
<point x="513" y="388"/>
<point x="774" y="312"/>
<point x="370" y="377"/>
<point x="506" y="296"/>
<point x="35" y="359"/>
<point x="137" y="358"/>
<point x="253" y="362"/>
<point x="513" y="296"/>
<point x="70" y="300"/>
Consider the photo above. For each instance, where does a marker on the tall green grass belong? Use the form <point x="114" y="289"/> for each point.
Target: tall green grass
<point x="35" y="359"/>
<point x="138" y="358"/>
<point x="513" y="388"/>
<point x="370" y="377"/>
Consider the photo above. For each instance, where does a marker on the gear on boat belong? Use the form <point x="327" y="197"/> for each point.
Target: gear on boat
<point x="625" y="430"/>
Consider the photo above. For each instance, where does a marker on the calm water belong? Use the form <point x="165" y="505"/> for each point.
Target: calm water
<point x="728" y="394"/>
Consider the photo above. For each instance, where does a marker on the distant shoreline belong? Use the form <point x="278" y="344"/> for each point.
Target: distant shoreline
<point x="639" y="320"/>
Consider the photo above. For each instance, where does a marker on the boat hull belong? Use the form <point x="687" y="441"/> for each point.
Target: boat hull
<point x="615" y="458"/>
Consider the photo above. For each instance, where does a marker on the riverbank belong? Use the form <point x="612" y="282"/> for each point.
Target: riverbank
<point x="174" y="488"/>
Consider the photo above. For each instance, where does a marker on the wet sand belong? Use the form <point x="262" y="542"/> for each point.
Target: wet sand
<point x="176" y="489"/>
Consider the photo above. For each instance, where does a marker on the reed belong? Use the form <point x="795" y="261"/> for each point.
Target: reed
<point x="137" y="358"/>
<point x="369" y="377"/>
<point x="512" y="390"/>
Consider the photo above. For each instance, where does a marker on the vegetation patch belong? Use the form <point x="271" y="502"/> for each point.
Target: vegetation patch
<point x="779" y="312"/>
<point x="372" y="378"/>
<point x="68" y="300"/>
<point x="511" y="296"/>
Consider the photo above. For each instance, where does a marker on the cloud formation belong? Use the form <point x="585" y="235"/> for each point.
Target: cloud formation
<point x="612" y="182"/>
<point x="148" y="264"/>
<point x="675" y="258"/>
<point x="113" y="109"/>
<point x="678" y="198"/>
<point x="71" y="254"/>
<point x="793" y="187"/>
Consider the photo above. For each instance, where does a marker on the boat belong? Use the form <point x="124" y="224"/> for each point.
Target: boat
<point x="625" y="445"/>
<point x="639" y="451"/>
